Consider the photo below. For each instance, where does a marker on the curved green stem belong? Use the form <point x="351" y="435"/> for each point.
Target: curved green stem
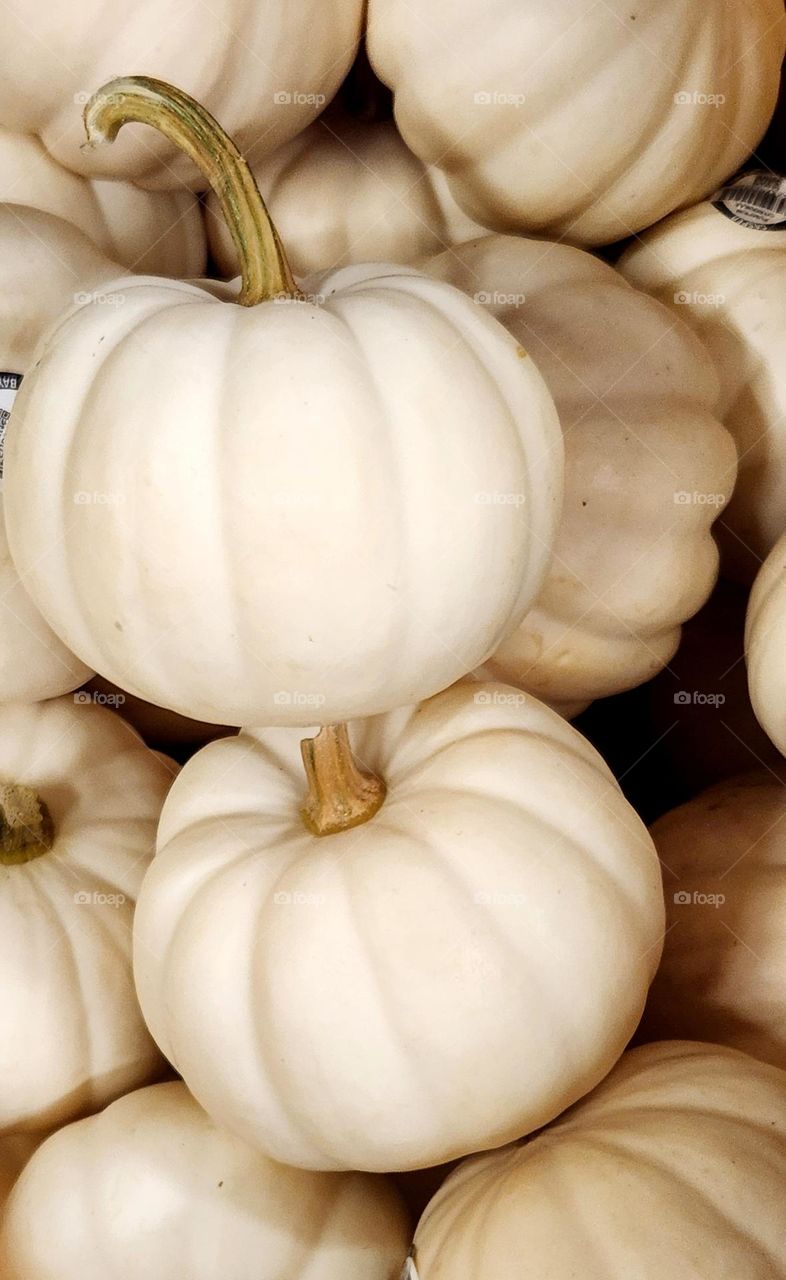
<point x="141" y="100"/>
<point x="25" y="825"/>
<point x="340" y="796"/>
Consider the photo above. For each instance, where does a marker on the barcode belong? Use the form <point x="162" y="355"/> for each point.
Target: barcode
<point x="757" y="198"/>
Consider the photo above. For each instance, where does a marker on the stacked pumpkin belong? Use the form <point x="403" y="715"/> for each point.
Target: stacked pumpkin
<point x="354" y="536"/>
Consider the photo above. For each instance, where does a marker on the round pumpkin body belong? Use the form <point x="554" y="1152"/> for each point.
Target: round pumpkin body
<point x="648" y="467"/>
<point x="499" y="919"/>
<point x="73" y="1034"/>
<point x="667" y="1170"/>
<point x="722" y="975"/>
<point x="347" y="191"/>
<point x="45" y="264"/>
<point x="316" y="474"/>
<point x="156" y="233"/>
<point x="725" y="274"/>
<point x="765" y="637"/>
<point x="586" y="121"/>
<point x="249" y="64"/>
<point x="150" y="1187"/>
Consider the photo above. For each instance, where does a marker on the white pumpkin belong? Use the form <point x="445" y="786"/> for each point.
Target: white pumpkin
<point x="300" y="532"/>
<point x="346" y="190"/>
<point x="671" y="1170"/>
<point x="721" y="978"/>
<point x="727" y="279"/>
<point x="156" y="233"/>
<point x="765" y="644"/>
<point x="151" y="1188"/>
<point x="447" y="976"/>
<point x="44" y="264"/>
<point x="585" y="120"/>
<point x="648" y="466"/>
<point x="73" y="1037"/>
<point x="250" y="64"/>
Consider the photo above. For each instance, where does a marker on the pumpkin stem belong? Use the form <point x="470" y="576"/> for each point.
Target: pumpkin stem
<point x="142" y="100"/>
<point x="25" y="825"/>
<point x="340" y="796"/>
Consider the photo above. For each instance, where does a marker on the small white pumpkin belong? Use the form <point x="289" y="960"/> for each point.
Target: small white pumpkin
<point x="673" y="1169"/>
<point x="765" y="645"/>
<point x="452" y="973"/>
<point x="721" y="978"/>
<point x="300" y="532"/>
<point x="346" y="190"/>
<point x="586" y="120"/>
<point x="721" y="267"/>
<point x="152" y="232"/>
<point x="648" y="466"/>
<point x="44" y="264"/>
<point x="265" y="68"/>
<point x="80" y="796"/>
<point x="151" y="1188"/>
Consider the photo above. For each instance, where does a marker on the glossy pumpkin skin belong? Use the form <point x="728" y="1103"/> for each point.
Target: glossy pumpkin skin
<point x="728" y="282"/>
<point x="347" y="191"/>
<point x="562" y="118"/>
<point x="721" y="978"/>
<point x="73" y="1034"/>
<point x="500" y="918"/>
<point x="316" y="474"/>
<point x="667" y="1170"/>
<point x="154" y="233"/>
<point x="248" y="64"/>
<point x="150" y="1187"/>
<point x="636" y="396"/>
<point x="765" y="637"/>
<point x="45" y="263"/>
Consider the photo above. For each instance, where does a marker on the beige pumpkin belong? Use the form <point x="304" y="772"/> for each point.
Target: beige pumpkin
<point x="648" y="466"/>
<point x="765" y="644"/>
<point x="721" y="267"/>
<point x="587" y="121"/>
<point x="723" y="973"/>
<point x="450" y="974"/>
<point x="347" y="190"/>
<point x="673" y="1169"/>
<point x="151" y="1188"/>
<point x="80" y="797"/>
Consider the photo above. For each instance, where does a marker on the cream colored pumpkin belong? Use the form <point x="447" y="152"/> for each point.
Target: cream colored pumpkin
<point x="648" y="466"/>
<point x="585" y="120"/>
<point x="728" y="281"/>
<point x="724" y="963"/>
<point x="671" y="1170"/>
<point x="73" y="1037"/>
<point x="156" y="233"/>
<point x="451" y="974"/>
<point x="765" y="645"/>
<point x="265" y="69"/>
<point x="347" y="191"/>
<point x="44" y="264"/>
<point x="151" y="1188"/>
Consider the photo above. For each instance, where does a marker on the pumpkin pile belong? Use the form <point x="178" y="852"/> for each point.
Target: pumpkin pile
<point x="393" y="641"/>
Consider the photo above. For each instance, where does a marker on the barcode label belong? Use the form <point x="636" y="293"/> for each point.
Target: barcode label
<point x="756" y="200"/>
<point x="9" y="385"/>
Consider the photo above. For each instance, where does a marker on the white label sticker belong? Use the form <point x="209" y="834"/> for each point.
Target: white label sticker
<point x="756" y="200"/>
<point x="9" y="385"/>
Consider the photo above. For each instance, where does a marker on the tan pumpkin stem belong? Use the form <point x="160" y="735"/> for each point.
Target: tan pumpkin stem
<point x="141" y="100"/>
<point x="25" y="825"/>
<point x="340" y="796"/>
